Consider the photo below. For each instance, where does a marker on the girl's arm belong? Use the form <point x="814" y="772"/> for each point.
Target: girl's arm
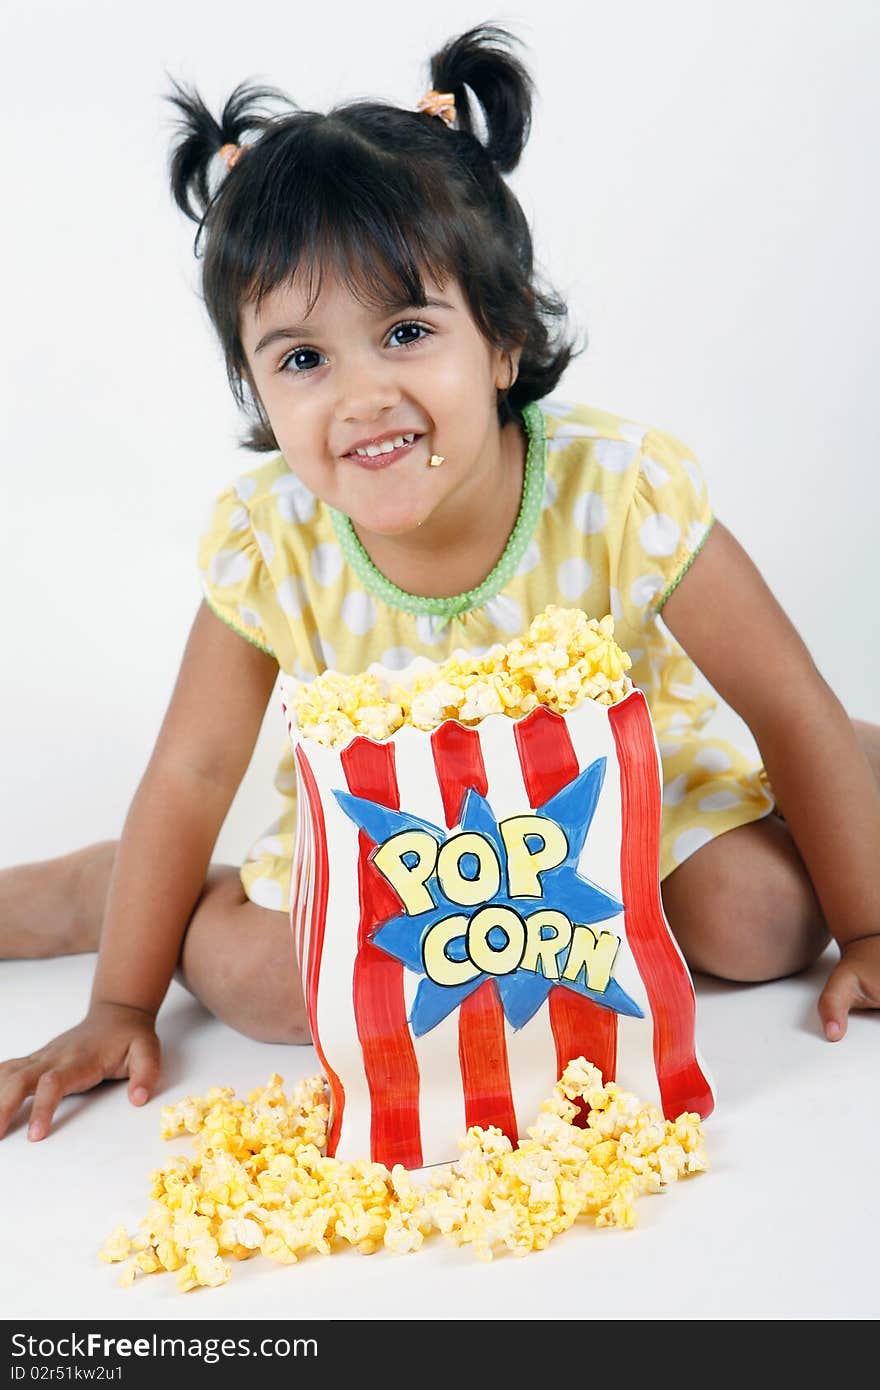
<point x="730" y="624"/>
<point x="200" y="757"/>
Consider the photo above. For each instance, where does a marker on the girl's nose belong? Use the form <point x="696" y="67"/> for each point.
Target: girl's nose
<point x="366" y="387"/>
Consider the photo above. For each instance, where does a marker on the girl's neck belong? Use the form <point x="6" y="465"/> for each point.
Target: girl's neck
<point x="455" y="552"/>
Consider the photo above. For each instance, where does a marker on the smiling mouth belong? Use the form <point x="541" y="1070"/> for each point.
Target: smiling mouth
<point x="382" y="460"/>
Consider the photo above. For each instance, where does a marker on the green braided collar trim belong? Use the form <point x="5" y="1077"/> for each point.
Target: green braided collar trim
<point x="530" y="506"/>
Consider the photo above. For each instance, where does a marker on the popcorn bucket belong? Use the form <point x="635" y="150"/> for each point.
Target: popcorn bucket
<point x="473" y="907"/>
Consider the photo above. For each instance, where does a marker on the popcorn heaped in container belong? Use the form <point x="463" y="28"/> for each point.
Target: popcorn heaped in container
<point x="476" y="890"/>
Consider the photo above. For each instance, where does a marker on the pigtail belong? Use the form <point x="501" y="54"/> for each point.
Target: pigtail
<point x="202" y="137"/>
<point x="499" y="81"/>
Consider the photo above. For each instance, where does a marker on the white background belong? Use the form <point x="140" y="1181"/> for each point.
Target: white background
<point x="701" y="183"/>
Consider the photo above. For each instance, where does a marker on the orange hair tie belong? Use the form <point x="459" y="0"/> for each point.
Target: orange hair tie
<point x="440" y="104"/>
<point x="231" y="154"/>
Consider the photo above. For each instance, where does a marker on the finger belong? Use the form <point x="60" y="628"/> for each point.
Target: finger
<point x="17" y="1086"/>
<point x="143" y="1068"/>
<point x="835" y="1002"/>
<point x="52" y="1087"/>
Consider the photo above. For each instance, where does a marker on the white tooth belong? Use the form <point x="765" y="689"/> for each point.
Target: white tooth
<point x="373" y="449"/>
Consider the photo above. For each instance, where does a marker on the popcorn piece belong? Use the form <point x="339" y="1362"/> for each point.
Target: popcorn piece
<point x="259" y="1182"/>
<point x="563" y="659"/>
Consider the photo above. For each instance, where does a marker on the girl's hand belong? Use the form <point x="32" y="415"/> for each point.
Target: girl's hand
<point x="112" y="1041"/>
<point x="854" y="983"/>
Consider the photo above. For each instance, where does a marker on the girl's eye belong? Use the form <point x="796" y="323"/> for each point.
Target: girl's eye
<point x="301" y="369"/>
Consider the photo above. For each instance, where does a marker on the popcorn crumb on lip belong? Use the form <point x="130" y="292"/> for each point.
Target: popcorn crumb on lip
<point x="563" y="659"/>
<point x="260" y="1184"/>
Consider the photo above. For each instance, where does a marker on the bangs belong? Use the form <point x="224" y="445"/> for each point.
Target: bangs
<point x="350" y="211"/>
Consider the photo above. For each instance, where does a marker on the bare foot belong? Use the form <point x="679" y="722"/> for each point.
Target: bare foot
<point x="55" y="907"/>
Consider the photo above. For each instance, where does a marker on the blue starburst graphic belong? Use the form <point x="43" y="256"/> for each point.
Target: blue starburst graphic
<point x="522" y="991"/>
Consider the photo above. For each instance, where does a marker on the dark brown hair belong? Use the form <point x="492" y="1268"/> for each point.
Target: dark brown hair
<point x="376" y="192"/>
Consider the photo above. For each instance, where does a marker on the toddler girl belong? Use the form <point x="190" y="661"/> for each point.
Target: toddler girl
<point x="370" y="276"/>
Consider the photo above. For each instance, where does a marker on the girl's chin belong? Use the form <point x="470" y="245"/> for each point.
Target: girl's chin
<point x="399" y="519"/>
<point x="389" y="530"/>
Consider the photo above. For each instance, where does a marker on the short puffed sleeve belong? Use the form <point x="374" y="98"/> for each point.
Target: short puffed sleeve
<point x="235" y="580"/>
<point x="666" y="525"/>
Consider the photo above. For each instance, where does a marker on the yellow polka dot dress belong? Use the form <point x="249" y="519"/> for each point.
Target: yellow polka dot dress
<point x="612" y="515"/>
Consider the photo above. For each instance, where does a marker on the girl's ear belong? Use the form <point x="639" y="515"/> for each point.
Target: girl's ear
<point x="507" y="374"/>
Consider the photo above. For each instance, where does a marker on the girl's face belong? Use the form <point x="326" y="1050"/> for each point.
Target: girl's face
<point x="350" y="374"/>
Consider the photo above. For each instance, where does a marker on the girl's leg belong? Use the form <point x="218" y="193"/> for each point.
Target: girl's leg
<point x="743" y="907"/>
<point x="237" y="958"/>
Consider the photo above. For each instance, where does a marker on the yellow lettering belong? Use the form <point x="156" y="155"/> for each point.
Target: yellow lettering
<point x="496" y="960"/>
<point x="438" y="966"/>
<point x="523" y="864"/>
<point x="468" y="891"/>
<point x="546" y="949"/>
<point x="408" y="883"/>
<point x="593" y="954"/>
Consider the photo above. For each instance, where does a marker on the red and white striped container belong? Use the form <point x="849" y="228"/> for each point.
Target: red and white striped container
<point x="406" y="1098"/>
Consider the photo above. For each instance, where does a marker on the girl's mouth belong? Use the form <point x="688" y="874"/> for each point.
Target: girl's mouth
<point x="383" y="460"/>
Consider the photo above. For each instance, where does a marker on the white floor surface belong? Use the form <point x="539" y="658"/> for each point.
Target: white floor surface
<point x="782" y="1227"/>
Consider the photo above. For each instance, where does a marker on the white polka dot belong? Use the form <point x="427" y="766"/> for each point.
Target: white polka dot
<point x="659" y="534"/>
<point x="693" y="473"/>
<point x="302" y="673"/>
<point x="395" y="658"/>
<point x="669" y="749"/>
<point x="678" y="724"/>
<point x="505" y="613"/>
<point x="229" y="567"/>
<point x="358" y="612"/>
<point x="689" y="841"/>
<point x="590" y="513"/>
<point x="569" y="430"/>
<point x="646" y="588"/>
<point x="719" y="801"/>
<point x="674" y="790"/>
<point x="695" y="533"/>
<point x="555" y="406"/>
<point x="285" y="781"/>
<point x="295" y="501"/>
<point x="326" y="563"/>
<point x="266" y="893"/>
<point x="713" y="759"/>
<point x="636" y="654"/>
<point x="239" y="519"/>
<point x="430" y="628"/>
<point x="292" y="595"/>
<point x="616" y="605"/>
<point x="245" y="488"/>
<point x="248" y="616"/>
<point x="324" y="651"/>
<point x="267" y="546"/>
<point x="682" y="691"/>
<point x="654" y="471"/>
<point x="614" y="455"/>
<point x="530" y="558"/>
<point x="574" y="577"/>
<point x="270" y="844"/>
<point x="632" y="430"/>
<point x="549" y="492"/>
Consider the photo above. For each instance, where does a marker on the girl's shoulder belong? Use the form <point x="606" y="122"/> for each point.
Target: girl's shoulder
<point x="263" y="497"/>
<point x="568" y="421"/>
<point x="621" y="452"/>
<point x="268" y="483"/>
